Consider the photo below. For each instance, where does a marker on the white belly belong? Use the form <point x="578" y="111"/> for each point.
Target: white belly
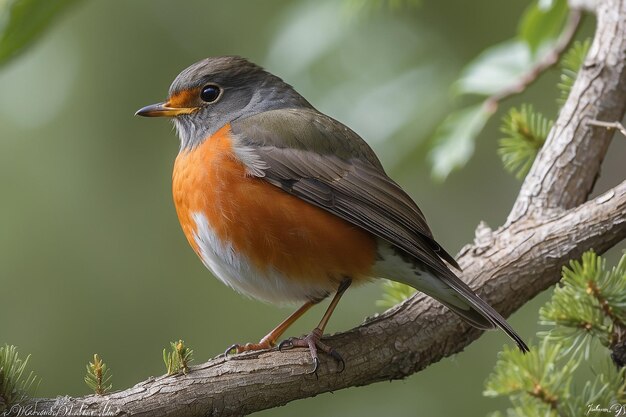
<point x="236" y="271"/>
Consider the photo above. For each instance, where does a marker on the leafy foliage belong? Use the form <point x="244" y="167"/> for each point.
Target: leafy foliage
<point x="547" y="15"/>
<point x="570" y="65"/>
<point x="525" y="132"/>
<point x="23" y="21"/>
<point x="14" y="384"/>
<point x="584" y="309"/>
<point x="454" y="139"/>
<point x="178" y="358"/>
<point x="499" y="68"/>
<point x="496" y="68"/>
<point x="98" y="377"/>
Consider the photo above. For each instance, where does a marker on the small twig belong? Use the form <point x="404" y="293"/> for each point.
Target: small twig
<point x="550" y="59"/>
<point x="608" y="125"/>
<point x="544" y="396"/>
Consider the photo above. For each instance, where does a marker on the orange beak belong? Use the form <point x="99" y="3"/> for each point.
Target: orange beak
<point x="164" y="110"/>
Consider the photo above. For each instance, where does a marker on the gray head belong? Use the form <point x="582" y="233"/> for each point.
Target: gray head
<point x="216" y="91"/>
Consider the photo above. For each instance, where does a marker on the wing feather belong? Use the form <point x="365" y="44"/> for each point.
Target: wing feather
<point x="328" y="165"/>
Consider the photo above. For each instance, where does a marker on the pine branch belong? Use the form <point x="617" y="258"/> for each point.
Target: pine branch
<point x="98" y="377"/>
<point x="178" y="359"/>
<point x="591" y="301"/>
<point x="544" y="377"/>
<point x="525" y="132"/>
<point x="533" y="374"/>
<point x="14" y="382"/>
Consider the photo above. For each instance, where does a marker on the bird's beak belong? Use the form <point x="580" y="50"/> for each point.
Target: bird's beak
<point x="164" y="110"/>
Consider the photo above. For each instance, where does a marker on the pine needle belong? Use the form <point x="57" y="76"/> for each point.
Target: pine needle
<point x="525" y="132"/>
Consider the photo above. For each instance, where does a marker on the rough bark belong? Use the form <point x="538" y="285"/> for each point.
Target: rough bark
<point x="550" y="223"/>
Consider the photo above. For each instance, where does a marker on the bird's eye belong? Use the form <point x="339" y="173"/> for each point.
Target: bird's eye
<point x="210" y="93"/>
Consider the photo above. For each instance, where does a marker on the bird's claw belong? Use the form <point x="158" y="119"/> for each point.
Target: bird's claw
<point x="316" y="364"/>
<point x="232" y="349"/>
<point x="285" y="344"/>
<point x="313" y="343"/>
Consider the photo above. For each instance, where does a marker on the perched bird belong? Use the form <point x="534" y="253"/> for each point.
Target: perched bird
<point x="285" y="204"/>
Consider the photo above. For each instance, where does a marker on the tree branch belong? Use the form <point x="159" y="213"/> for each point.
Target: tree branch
<point x="550" y="223"/>
<point x="609" y="125"/>
<point x="550" y="59"/>
<point x="566" y="169"/>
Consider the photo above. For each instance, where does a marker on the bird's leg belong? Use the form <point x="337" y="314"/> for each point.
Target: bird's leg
<point x="313" y="339"/>
<point x="269" y="341"/>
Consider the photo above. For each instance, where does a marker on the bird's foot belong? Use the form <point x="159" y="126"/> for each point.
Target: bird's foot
<point x="264" y="344"/>
<point x="313" y="342"/>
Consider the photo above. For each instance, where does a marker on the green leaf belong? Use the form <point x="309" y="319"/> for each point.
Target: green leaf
<point x="454" y="139"/>
<point x="495" y="69"/>
<point x="23" y="21"/>
<point x="542" y="23"/>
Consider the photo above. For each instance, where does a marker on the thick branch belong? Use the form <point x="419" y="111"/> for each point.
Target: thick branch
<point x="565" y="170"/>
<point x="512" y="266"/>
<point x="547" y="227"/>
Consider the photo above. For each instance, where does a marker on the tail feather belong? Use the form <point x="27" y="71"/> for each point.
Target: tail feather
<point x="477" y="312"/>
<point x="445" y="287"/>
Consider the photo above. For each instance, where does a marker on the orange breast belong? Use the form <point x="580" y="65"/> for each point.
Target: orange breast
<point x="273" y="230"/>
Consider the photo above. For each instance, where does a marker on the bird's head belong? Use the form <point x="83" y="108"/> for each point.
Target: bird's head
<point x="218" y="90"/>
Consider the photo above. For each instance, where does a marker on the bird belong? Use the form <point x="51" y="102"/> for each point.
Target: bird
<point x="288" y="205"/>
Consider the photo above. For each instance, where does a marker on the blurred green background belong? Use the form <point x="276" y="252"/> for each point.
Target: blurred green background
<point x="91" y="255"/>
